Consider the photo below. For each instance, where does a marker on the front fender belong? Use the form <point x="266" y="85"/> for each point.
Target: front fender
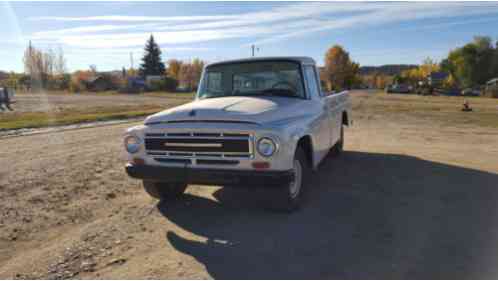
<point x="304" y="127"/>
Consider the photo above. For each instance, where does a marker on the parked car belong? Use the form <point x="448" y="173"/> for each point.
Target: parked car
<point x="399" y="89"/>
<point x="183" y="89"/>
<point x="260" y="123"/>
<point x="451" y="92"/>
<point x="471" y="92"/>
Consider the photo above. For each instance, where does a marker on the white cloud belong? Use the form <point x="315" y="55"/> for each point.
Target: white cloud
<point x="263" y="27"/>
<point x="450" y="24"/>
<point x="119" y="18"/>
<point x="81" y="30"/>
<point x="388" y="13"/>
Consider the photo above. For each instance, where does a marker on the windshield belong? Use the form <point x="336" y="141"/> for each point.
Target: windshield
<point x="268" y="78"/>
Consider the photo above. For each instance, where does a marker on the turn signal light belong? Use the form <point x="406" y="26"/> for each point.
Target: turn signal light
<point x="138" y="161"/>
<point x="261" y="165"/>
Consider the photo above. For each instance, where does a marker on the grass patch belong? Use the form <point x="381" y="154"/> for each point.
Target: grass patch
<point x="175" y="95"/>
<point x="445" y="110"/>
<point x="72" y="116"/>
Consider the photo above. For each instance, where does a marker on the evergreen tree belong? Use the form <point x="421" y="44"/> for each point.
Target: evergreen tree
<point x="151" y="61"/>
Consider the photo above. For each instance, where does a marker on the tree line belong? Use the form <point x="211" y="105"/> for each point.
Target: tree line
<point x="42" y="69"/>
<point x="469" y="66"/>
<point x="473" y="64"/>
<point x="47" y="69"/>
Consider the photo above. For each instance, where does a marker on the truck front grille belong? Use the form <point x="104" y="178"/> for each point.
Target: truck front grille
<point x="196" y="144"/>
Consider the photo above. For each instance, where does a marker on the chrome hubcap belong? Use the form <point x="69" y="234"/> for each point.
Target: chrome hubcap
<point x="295" y="186"/>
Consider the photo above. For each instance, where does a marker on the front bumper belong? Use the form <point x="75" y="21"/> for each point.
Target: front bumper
<point x="210" y="176"/>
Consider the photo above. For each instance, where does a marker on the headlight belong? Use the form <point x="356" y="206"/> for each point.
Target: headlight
<point x="132" y="144"/>
<point x="266" y="147"/>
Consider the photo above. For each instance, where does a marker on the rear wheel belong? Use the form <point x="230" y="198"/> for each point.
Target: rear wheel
<point x="289" y="197"/>
<point x="164" y="191"/>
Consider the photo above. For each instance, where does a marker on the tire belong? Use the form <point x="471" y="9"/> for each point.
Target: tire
<point x="289" y="198"/>
<point x="164" y="191"/>
<point x="339" y="146"/>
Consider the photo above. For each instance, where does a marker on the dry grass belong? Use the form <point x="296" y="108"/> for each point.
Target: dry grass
<point x="34" y="110"/>
<point x="446" y="110"/>
<point x="115" y="93"/>
<point x="66" y="117"/>
<point x="62" y="108"/>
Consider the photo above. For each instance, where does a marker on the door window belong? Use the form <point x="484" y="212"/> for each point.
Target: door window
<point x="313" y="87"/>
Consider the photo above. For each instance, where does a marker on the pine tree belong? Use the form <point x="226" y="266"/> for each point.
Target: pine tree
<point x="151" y="61"/>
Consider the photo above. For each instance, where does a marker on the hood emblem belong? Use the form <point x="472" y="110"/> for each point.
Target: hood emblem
<point x="192" y="113"/>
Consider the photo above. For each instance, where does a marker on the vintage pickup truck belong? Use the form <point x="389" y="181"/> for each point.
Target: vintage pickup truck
<point x="258" y="123"/>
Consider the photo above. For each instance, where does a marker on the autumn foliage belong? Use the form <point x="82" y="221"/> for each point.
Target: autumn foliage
<point x="340" y="72"/>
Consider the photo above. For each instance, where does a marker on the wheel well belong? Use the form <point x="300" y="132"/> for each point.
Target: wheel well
<point x="305" y="144"/>
<point x="345" y="118"/>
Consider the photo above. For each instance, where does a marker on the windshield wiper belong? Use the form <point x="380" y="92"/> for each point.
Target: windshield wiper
<point x="208" y="95"/>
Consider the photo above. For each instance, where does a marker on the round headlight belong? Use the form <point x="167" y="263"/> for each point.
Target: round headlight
<point x="266" y="147"/>
<point x="132" y="144"/>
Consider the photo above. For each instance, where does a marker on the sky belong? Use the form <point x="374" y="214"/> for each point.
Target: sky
<point x="104" y="34"/>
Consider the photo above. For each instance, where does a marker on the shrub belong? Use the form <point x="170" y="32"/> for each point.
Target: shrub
<point x="170" y="84"/>
<point x="114" y="82"/>
<point x="165" y="84"/>
<point x="59" y="82"/>
<point x="76" y="86"/>
<point x="78" y="81"/>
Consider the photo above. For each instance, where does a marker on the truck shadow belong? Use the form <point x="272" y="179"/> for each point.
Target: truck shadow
<point x="368" y="216"/>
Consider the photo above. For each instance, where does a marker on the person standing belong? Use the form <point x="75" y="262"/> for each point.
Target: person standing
<point x="1" y="99"/>
<point x="6" y="99"/>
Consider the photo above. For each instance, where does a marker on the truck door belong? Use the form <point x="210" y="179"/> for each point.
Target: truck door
<point x="312" y="81"/>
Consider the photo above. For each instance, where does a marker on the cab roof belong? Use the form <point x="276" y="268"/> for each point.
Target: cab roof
<point x="301" y="60"/>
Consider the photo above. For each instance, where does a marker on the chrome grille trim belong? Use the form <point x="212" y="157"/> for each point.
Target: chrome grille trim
<point x="198" y="136"/>
<point x="181" y="144"/>
<point x="199" y="155"/>
<point x="212" y="154"/>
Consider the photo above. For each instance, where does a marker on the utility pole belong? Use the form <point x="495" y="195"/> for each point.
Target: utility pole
<point x="131" y="60"/>
<point x="253" y="49"/>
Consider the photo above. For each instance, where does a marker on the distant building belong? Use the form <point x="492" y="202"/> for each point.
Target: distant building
<point x="491" y="89"/>
<point x="3" y="75"/>
<point x="492" y="82"/>
<point x="149" y="79"/>
<point x="436" y="79"/>
<point x="135" y="85"/>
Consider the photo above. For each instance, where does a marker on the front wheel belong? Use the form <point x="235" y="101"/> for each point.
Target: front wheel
<point x="289" y="197"/>
<point x="164" y="191"/>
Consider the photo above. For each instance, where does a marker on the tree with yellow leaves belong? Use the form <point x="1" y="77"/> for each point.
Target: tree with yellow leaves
<point x="414" y="75"/>
<point x="339" y="71"/>
<point x="174" y="67"/>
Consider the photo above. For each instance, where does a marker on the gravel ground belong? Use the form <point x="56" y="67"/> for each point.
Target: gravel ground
<point x="409" y="198"/>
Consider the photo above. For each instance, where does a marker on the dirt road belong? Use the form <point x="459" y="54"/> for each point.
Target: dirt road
<point x="410" y="198"/>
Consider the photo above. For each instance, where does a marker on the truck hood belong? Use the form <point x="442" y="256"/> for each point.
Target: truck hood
<point x="258" y="110"/>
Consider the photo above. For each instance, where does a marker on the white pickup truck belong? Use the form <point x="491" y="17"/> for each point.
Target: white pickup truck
<point x="257" y="123"/>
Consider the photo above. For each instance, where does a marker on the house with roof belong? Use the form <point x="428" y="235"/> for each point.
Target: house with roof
<point x="491" y="89"/>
